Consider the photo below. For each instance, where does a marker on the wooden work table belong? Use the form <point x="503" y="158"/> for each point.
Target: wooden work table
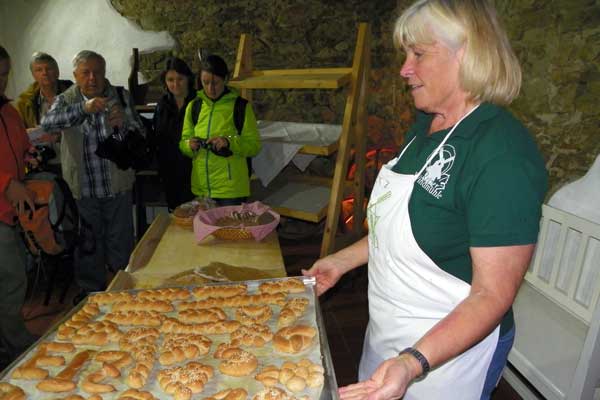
<point x="167" y="249"/>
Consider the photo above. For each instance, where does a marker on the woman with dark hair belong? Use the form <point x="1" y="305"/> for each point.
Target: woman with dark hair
<point x="219" y="133"/>
<point x="175" y="169"/>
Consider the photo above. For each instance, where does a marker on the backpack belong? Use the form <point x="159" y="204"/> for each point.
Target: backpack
<point x="54" y="226"/>
<point x="239" y="115"/>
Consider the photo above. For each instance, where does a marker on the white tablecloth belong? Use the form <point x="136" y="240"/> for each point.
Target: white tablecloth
<point x="281" y="142"/>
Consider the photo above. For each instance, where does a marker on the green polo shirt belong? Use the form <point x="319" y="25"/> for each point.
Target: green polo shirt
<point x="486" y="190"/>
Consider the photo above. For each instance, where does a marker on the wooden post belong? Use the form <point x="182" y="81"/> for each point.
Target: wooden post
<point x="361" y="142"/>
<point x="345" y="143"/>
<point x="243" y="63"/>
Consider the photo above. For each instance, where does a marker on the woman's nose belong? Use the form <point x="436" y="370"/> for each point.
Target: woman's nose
<point x="407" y="69"/>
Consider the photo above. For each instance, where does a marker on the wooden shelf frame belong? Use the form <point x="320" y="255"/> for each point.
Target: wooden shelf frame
<point x="354" y="126"/>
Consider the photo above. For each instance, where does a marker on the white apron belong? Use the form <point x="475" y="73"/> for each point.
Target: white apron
<point x="409" y="294"/>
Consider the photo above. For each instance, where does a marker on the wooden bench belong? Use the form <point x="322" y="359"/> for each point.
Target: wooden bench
<point x="557" y="347"/>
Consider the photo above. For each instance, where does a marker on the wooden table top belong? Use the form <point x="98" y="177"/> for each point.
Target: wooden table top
<point x="167" y="248"/>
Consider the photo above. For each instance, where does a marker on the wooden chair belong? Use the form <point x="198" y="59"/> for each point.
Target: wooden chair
<point x="142" y="93"/>
<point x="557" y="313"/>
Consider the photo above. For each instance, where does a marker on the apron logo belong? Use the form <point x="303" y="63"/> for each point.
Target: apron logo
<point x="436" y="175"/>
<point x="373" y="218"/>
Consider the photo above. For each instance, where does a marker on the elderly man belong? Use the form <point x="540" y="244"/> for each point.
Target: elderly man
<point x="37" y="99"/>
<point x="14" y="145"/>
<point x="89" y="112"/>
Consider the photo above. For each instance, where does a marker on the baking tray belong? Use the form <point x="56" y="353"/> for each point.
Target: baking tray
<point x="328" y="392"/>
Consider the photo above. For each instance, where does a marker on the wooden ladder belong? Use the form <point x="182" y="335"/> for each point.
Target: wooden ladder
<point x="353" y="133"/>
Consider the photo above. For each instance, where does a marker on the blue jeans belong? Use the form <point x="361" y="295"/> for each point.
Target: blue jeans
<point x="499" y="358"/>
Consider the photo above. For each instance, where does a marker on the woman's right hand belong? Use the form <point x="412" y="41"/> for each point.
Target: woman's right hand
<point x="194" y="143"/>
<point x="327" y="271"/>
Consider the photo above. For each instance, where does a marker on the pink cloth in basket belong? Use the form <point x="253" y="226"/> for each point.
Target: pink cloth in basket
<point x="204" y="221"/>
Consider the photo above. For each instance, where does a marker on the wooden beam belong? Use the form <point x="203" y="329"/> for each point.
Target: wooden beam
<point x="321" y="80"/>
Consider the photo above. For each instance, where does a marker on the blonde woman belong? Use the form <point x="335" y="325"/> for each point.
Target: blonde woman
<point x="453" y="220"/>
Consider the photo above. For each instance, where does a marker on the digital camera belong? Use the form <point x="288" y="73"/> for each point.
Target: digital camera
<point x="223" y="152"/>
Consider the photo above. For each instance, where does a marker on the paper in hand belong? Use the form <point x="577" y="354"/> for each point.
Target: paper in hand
<point x="39" y="136"/>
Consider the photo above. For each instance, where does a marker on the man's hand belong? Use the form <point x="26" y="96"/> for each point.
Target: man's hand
<point x="96" y="105"/>
<point x="116" y="116"/>
<point x="17" y="194"/>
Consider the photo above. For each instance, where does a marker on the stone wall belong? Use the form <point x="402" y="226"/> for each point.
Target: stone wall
<point x="557" y="41"/>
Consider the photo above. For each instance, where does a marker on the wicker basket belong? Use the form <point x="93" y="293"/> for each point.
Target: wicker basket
<point x="205" y="223"/>
<point x="233" y="234"/>
<point x="184" y="222"/>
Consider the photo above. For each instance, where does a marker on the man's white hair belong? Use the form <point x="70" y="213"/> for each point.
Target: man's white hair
<point x="85" y="55"/>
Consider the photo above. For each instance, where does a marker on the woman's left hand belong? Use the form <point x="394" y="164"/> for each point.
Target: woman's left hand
<point x="389" y="382"/>
<point x="218" y="142"/>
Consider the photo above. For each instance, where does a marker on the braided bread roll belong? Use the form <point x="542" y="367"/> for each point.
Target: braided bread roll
<point x="147" y="318"/>
<point x="291" y="311"/>
<point x="294" y="339"/>
<point x="236" y="301"/>
<point x="237" y="362"/>
<point x="204" y="292"/>
<point x="143" y="305"/>
<point x="169" y="294"/>
<point x="202" y="315"/>
<point x="110" y="297"/>
<point x="251" y="335"/>
<point x="208" y="328"/>
<point x="186" y="380"/>
<point x="293" y="285"/>
<point x="253" y="314"/>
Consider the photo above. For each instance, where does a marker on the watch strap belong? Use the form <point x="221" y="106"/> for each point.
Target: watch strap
<point x="420" y="358"/>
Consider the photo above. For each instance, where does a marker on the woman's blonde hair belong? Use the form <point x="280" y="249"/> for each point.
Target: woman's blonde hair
<point x="489" y="69"/>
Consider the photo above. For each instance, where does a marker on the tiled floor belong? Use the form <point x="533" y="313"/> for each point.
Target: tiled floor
<point x="344" y="310"/>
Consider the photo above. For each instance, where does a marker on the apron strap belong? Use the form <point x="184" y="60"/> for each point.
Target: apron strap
<point x="436" y="151"/>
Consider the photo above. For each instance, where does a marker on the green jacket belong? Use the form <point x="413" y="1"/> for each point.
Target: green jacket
<point x="215" y="176"/>
<point x="28" y="106"/>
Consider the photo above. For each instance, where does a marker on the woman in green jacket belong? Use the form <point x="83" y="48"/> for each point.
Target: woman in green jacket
<point x="219" y="134"/>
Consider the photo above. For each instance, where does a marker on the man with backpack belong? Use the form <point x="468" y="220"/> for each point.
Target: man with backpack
<point x="37" y="99"/>
<point x="96" y="118"/>
<point x="14" y="147"/>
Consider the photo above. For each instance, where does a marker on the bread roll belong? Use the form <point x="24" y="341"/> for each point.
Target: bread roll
<point x="294" y="339"/>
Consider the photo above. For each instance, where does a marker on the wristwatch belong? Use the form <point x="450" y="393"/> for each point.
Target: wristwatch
<point x="420" y="358"/>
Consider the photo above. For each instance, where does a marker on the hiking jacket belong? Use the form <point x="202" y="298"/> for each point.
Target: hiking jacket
<point x="28" y="104"/>
<point x="215" y="176"/>
<point x="14" y="144"/>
